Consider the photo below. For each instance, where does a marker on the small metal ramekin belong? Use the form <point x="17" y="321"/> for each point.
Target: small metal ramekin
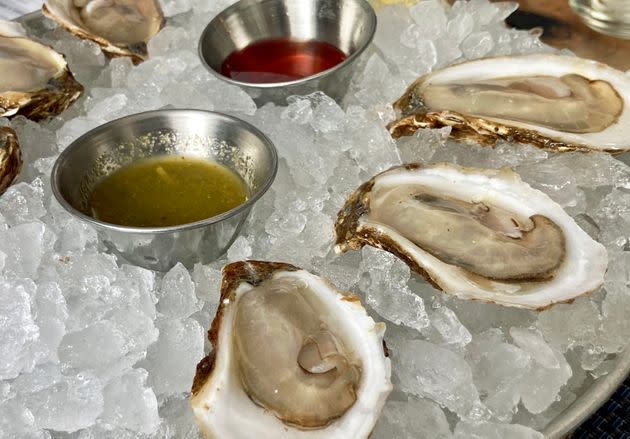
<point x="208" y="135"/>
<point x="347" y="24"/>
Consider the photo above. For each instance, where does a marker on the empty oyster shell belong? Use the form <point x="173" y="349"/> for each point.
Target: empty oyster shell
<point x="120" y="27"/>
<point x="35" y="81"/>
<point x="558" y="102"/>
<point x="10" y="158"/>
<point x="293" y="358"/>
<point x="475" y="233"/>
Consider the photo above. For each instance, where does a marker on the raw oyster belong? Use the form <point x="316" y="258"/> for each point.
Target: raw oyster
<point x="35" y="82"/>
<point x="10" y="158"/>
<point x="120" y="27"/>
<point x="475" y="233"/>
<point x="558" y="102"/>
<point x="293" y="358"/>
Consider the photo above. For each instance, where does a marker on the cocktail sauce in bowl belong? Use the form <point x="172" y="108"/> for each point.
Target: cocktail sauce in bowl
<point x="277" y="48"/>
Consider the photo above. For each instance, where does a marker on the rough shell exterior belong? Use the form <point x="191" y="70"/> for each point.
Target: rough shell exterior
<point x="10" y="158"/>
<point x="477" y="130"/>
<point x="36" y="105"/>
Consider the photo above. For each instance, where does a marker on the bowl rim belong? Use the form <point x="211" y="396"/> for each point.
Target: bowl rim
<point x="372" y="22"/>
<point x="248" y="204"/>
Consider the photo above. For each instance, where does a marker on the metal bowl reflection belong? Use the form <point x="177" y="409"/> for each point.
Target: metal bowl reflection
<point x="348" y="25"/>
<point x="203" y="134"/>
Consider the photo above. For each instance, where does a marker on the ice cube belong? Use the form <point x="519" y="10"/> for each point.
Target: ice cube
<point x="207" y="283"/>
<point x="386" y="290"/>
<point x="178" y="421"/>
<point x="540" y="388"/>
<point x="483" y="12"/>
<point x="36" y="141"/>
<point x="430" y="15"/>
<point x="498" y="367"/>
<point x="174" y="7"/>
<point x="412" y="419"/>
<point x="565" y="326"/>
<point x="73" y="403"/>
<point x="282" y="223"/>
<point x="172" y="360"/>
<point x="129" y="404"/>
<point x="395" y="17"/>
<point x="477" y="45"/>
<point x="24" y="246"/>
<point x="613" y="217"/>
<point x="95" y="346"/>
<point x="239" y="250"/>
<point x="168" y="40"/>
<point x="532" y="342"/>
<point x="119" y="69"/>
<point x="592" y="357"/>
<point x="17" y="327"/>
<point x="460" y="26"/>
<point x="51" y="316"/>
<point x="430" y="371"/>
<point x="327" y="115"/>
<point x="23" y="203"/>
<point x="422" y="145"/>
<point x="16" y="419"/>
<point x="177" y="297"/>
<point x="449" y="327"/>
<point x="108" y="108"/>
<point x="616" y="304"/>
<point x="136" y="328"/>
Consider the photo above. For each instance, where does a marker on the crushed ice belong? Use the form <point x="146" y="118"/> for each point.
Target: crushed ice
<point x="95" y="348"/>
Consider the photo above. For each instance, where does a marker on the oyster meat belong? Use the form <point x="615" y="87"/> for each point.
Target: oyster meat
<point x="120" y="27"/>
<point x="10" y="158"/>
<point x="475" y="233"/>
<point x="293" y="358"/>
<point x="557" y="102"/>
<point x="35" y="82"/>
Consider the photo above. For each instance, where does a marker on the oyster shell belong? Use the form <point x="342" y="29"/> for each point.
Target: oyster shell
<point x="474" y="233"/>
<point x="36" y="82"/>
<point x="557" y="102"/>
<point x="10" y="158"/>
<point x="120" y="27"/>
<point x="292" y="358"/>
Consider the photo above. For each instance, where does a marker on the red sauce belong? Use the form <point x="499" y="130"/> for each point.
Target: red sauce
<point x="279" y="60"/>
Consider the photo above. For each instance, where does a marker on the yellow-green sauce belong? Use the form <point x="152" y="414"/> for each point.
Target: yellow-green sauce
<point x="167" y="191"/>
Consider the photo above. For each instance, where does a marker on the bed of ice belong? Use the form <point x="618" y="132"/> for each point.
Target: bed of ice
<point x="93" y="348"/>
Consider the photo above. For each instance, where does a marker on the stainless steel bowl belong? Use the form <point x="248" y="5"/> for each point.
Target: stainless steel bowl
<point x="203" y="134"/>
<point x="347" y="24"/>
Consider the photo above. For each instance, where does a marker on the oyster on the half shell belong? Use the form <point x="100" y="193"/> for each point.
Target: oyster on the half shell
<point x="557" y="102"/>
<point x="35" y="81"/>
<point x="475" y="233"/>
<point x="292" y="358"/>
<point x="120" y="27"/>
<point x="10" y="158"/>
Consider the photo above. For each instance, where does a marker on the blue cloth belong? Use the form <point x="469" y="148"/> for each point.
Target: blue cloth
<point x="612" y="420"/>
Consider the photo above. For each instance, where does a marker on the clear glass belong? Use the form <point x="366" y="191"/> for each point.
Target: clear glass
<point x="611" y="17"/>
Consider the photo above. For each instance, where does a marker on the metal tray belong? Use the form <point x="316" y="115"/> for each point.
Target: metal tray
<point x="580" y="410"/>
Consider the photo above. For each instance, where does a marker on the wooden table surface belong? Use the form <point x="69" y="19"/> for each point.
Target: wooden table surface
<point x="563" y="28"/>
